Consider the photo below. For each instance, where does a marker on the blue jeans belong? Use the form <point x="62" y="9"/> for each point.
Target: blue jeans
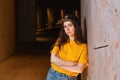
<point x="54" y="75"/>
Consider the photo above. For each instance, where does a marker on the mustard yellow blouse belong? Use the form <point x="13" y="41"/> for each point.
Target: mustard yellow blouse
<point x="71" y="52"/>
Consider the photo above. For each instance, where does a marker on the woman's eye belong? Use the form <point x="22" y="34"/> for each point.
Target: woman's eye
<point x="65" y="26"/>
<point x="70" y="25"/>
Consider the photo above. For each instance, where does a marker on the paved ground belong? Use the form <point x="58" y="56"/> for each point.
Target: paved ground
<point x="30" y="61"/>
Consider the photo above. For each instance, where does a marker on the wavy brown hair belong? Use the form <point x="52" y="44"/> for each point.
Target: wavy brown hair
<point x="63" y="37"/>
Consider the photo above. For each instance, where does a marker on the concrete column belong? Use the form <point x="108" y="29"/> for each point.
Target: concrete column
<point x="76" y="13"/>
<point x="50" y="17"/>
<point x="39" y="14"/>
<point x="62" y="14"/>
<point x="84" y="9"/>
<point x="7" y="28"/>
<point x="103" y="30"/>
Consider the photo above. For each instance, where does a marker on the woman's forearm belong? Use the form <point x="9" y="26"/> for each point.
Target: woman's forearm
<point x="56" y="60"/>
<point x="76" y="68"/>
<point x="67" y="65"/>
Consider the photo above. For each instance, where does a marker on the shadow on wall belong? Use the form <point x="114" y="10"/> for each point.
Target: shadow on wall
<point x="85" y="30"/>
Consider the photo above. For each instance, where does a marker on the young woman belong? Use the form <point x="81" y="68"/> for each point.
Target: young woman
<point x="69" y="54"/>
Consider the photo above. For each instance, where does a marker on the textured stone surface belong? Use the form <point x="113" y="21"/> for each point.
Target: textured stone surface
<point x="103" y="28"/>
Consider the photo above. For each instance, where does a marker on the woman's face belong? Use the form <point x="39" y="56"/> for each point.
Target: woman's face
<point x="69" y="28"/>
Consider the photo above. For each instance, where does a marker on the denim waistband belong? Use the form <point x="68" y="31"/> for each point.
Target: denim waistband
<point x="55" y="75"/>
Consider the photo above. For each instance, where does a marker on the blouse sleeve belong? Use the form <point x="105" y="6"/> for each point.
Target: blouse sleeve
<point x="55" y="50"/>
<point x="84" y="55"/>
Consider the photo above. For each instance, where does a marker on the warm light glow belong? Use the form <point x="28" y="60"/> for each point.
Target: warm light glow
<point x="50" y="17"/>
<point x="62" y="14"/>
<point x="76" y="13"/>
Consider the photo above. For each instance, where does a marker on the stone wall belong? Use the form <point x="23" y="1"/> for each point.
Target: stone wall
<point x="7" y="28"/>
<point x="103" y="29"/>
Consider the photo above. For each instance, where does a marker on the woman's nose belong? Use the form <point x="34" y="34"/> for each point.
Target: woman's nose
<point x="68" y="28"/>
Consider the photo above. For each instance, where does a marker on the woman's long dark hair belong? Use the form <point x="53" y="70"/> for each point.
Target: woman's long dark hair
<point x="63" y="37"/>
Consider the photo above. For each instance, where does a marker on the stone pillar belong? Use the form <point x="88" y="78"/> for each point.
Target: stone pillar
<point x="39" y="14"/>
<point x="103" y="30"/>
<point x="62" y="14"/>
<point x="76" y="13"/>
<point x="50" y="17"/>
<point x="84" y="9"/>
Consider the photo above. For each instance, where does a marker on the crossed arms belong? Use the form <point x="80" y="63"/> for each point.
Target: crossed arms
<point x="67" y="65"/>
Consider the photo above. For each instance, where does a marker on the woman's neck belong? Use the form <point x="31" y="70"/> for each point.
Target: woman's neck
<point x="71" y="38"/>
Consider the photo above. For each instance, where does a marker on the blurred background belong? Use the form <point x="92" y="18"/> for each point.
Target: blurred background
<point x="28" y="28"/>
